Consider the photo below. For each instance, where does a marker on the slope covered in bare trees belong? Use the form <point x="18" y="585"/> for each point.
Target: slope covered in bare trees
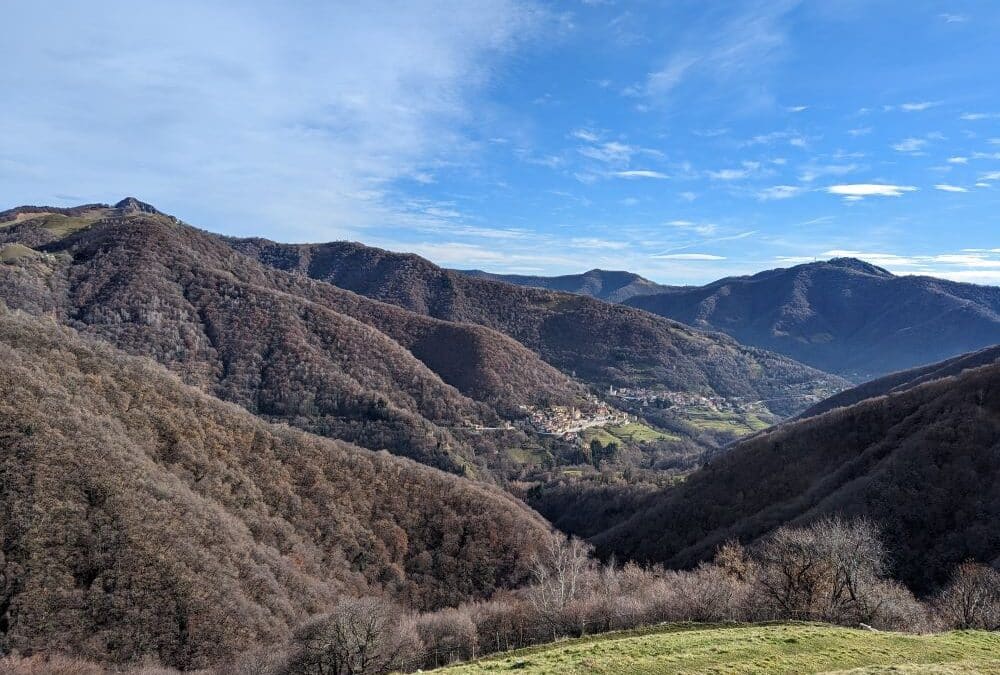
<point x="922" y="463"/>
<point x="601" y="343"/>
<point x="281" y="345"/>
<point x="139" y="516"/>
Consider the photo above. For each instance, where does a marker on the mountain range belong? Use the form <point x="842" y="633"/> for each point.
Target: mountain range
<point x="598" y="343"/>
<point x="843" y="316"/>
<point x="207" y="440"/>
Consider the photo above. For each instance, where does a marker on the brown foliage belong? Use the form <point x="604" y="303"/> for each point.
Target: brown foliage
<point x="923" y="463"/>
<point x="141" y="517"/>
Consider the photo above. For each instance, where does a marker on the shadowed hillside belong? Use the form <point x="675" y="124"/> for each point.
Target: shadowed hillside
<point x="139" y="516"/>
<point x="281" y="345"/>
<point x="601" y="343"/>
<point x="843" y="316"/>
<point x="924" y="464"/>
<point x="906" y="379"/>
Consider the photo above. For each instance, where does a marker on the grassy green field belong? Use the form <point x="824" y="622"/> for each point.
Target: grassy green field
<point x="60" y="225"/>
<point x="13" y="253"/>
<point x="753" y="650"/>
<point x="724" y="421"/>
<point x="633" y="432"/>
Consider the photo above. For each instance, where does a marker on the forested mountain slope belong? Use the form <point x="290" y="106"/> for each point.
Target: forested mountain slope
<point x="601" y="343"/>
<point x="923" y="464"/>
<point x="906" y="379"/>
<point x="139" y="516"/>
<point x="607" y="285"/>
<point x="843" y="316"/>
<point x="281" y="345"/>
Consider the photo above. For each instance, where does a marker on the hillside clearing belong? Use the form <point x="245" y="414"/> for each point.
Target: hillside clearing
<point x="753" y="650"/>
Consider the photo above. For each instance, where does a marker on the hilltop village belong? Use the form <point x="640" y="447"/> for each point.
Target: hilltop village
<point x="568" y="420"/>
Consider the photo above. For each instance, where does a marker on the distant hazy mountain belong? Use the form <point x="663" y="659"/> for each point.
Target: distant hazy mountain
<point x="843" y="316"/>
<point x="607" y="285"/>
<point x="906" y="379"/>
<point x="922" y="462"/>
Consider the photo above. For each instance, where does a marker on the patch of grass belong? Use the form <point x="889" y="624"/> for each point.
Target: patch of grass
<point x="633" y="432"/>
<point x="601" y="434"/>
<point x="641" y="433"/>
<point x="59" y="225"/>
<point x="16" y="253"/>
<point x="753" y="650"/>
<point x="727" y="422"/>
<point x="531" y="456"/>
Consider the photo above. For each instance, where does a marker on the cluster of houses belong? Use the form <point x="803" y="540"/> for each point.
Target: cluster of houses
<point x="568" y="420"/>
<point x="668" y="399"/>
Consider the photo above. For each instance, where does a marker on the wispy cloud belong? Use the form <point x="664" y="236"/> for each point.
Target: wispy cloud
<point x="918" y="106"/>
<point x="780" y="192"/>
<point x="704" y="229"/>
<point x="978" y="116"/>
<point x="333" y="105"/>
<point x="857" y="191"/>
<point x="689" y="256"/>
<point x="944" y="187"/>
<point x="641" y="173"/>
<point x="731" y="54"/>
<point x="910" y="145"/>
<point x="954" y="18"/>
<point x="748" y="168"/>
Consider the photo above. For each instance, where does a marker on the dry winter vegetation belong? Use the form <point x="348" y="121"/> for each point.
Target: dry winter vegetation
<point x="191" y="477"/>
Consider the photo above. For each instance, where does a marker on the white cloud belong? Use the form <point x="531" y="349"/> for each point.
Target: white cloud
<point x="944" y="187"/>
<point x="333" y="104"/>
<point x="611" y="152"/>
<point x="918" y="107"/>
<point x="729" y="174"/>
<point x="811" y="172"/>
<point x="860" y="131"/>
<point x="596" y="243"/>
<point x="585" y="135"/>
<point x="991" y="176"/>
<point x="704" y="229"/>
<point x="856" y="191"/>
<point x="798" y="108"/>
<point x="954" y="18"/>
<point x="641" y="173"/>
<point x="735" y="174"/>
<point x="958" y="160"/>
<point x="688" y="256"/>
<point x="910" y="145"/>
<point x="975" y="117"/>
<point x="779" y="192"/>
<point x="729" y="53"/>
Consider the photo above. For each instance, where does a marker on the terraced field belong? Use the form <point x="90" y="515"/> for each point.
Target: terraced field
<point x="753" y="650"/>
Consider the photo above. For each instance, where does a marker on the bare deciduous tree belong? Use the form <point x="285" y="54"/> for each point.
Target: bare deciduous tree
<point x="361" y="636"/>
<point x="560" y="569"/>
<point x="972" y="598"/>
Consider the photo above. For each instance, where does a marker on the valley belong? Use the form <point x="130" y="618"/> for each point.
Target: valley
<point x="308" y="371"/>
<point x="371" y="337"/>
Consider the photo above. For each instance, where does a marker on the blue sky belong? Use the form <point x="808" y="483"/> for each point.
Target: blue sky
<point x="684" y="140"/>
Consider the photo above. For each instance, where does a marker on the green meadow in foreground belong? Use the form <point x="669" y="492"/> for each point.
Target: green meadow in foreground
<point x="749" y="650"/>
